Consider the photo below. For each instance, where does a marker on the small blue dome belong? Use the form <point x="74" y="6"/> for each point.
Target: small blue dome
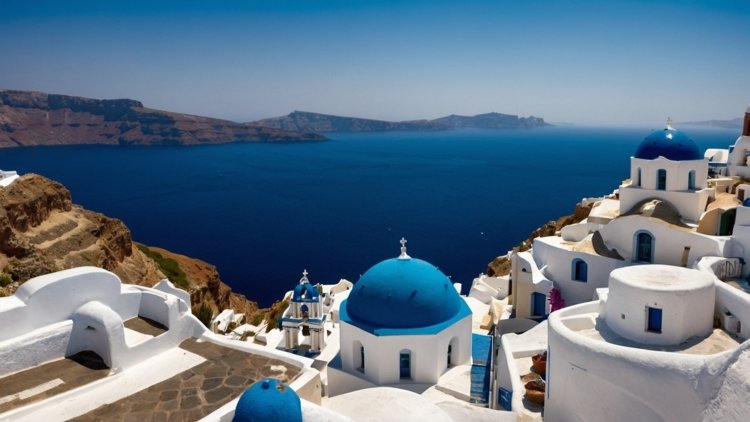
<point x="403" y="293"/>
<point x="746" y="202"/>
<point x="268" y="400"/>
<point x="670" y="144"/>
<point x="308" y="290"/>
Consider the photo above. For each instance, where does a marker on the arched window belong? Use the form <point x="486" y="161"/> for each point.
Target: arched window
<point x="359" y="356"/>
<point x="580" y="270"/>
<point x="638" y="178"/>
<point x="661" y="179"/>
<point x="404" y="364"/>
<point x="452" y="349"/>
<point x="305" y="311"/>
<point x="644" y="247"/>
<point x="691" y="180"/>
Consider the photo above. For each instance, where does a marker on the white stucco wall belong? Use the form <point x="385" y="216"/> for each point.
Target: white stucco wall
<point x="507" y="376"/>
<point x="428" y="353"/>
<point x="677" y="173"/>
<point x="527" y="278"/>
<point x="737" y="162"/>
<point x="669" y="243"/>
<point x="735" y="302"/>
<point x="34" y="348"/>
<point x="593" y="380"/>
<point x="558" y="259"/>
<point x="92" y="305"/>
<point x="684" y="296"/>
<point x="577" y="232"/>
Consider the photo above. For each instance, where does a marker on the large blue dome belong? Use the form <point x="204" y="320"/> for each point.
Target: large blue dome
<point x="268" y="400"/>
<point x="668" y="143"/>
<point x="403" y="293"/>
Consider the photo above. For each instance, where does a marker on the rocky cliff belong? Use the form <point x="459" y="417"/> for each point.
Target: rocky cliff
<point x="35" y="118"/>
<point x="321" y="123"/>
<point x="42" y="231"/>
<point x="501" y="264"/>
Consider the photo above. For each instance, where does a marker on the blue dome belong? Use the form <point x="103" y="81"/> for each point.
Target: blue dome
<point x="668" y="143"/>
<point x="308" y="290"/>
<point x="746" y="202"/>
<point x="403" y="293"/>
<point x="268" y="400"/>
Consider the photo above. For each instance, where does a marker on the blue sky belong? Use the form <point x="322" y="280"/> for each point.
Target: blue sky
<point x="588" y="62"/>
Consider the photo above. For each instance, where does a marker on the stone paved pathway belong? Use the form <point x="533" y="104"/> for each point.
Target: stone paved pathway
<point x="62" y="375"/>
<point x="198" y="391"/>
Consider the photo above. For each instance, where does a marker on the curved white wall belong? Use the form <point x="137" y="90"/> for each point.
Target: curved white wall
<point x="685" y="298"/>
<point x="593" y="380"/>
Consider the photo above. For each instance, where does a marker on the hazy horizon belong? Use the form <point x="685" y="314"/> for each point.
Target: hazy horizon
<point x="616" y="64"/>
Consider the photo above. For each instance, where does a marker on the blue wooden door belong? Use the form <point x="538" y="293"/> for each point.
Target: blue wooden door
<point x="654" y="320"/>
<point x="538" y="304"/>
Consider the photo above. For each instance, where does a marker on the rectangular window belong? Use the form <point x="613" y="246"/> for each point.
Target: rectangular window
<point x="538" y="304"/>
<point x="654" y="320"/>
<point x="405" y="365"/>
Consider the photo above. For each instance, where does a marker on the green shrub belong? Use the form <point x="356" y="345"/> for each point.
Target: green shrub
<point x="273" y="315"/>
<point x="258" y="318"/>
<point x="5" y="279"/>
<point x="204" y="314"/>
<point x="168" y="266"/>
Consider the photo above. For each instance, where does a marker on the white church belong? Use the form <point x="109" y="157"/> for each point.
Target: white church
<point x="403" y="322"/>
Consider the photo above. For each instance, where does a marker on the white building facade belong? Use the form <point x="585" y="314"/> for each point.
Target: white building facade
<point x="403" y="324"/>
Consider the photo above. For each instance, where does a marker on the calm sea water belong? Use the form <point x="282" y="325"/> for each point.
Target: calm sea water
<point x="264" y="212"/>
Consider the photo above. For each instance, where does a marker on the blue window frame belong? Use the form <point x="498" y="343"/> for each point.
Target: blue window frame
<point x="405" y="364"/>
<point x="661" y="179"/>
<point x="644" y="247"/>
<point x="580" y="270"/>
<point x="654" y="320"/>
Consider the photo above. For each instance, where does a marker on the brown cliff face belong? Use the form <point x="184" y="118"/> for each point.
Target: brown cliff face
<point x="42" y="231"/>
<point x="34" y="118"/>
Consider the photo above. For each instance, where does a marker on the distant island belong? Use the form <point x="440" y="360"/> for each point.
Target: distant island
<point x="726" y="124"/>
<point x="304" y="121"/>
<point x="29" y="118"/>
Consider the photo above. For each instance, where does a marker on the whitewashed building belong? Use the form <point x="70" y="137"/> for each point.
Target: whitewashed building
<point x="403" y="324"/>
<point x="648" y="350"/>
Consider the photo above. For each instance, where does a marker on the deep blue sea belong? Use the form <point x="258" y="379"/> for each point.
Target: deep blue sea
<point x="264" y="212"/>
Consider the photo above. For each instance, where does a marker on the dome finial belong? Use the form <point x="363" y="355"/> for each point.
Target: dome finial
<point x="403" y="255"/>
<point x="669" y="124"/>
<point x="304" y="280"/>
